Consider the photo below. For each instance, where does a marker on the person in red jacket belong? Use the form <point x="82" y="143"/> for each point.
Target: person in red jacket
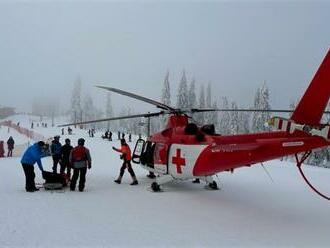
<point x="126" y="157"/>
<point x="80" y="159"/>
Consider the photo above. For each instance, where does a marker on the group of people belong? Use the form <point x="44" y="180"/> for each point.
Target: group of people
<point x="107" y="135"/>
<point x="69" y="131"/>
<point x="10" y="147"/>
<point x="77" y="158"/>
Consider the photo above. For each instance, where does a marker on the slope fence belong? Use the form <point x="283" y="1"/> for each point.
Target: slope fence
<point x="24" y="131"/>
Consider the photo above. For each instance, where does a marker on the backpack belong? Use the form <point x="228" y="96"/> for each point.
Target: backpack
<point x="79" y="154"/>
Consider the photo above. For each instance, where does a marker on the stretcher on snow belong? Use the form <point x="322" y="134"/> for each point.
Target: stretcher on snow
<point x="54" y="181"/>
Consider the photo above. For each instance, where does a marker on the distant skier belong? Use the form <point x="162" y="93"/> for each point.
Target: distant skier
<point x="130" y="137"/>
<point x="10" y="146"/>
<point x="118" y="135"/>
<point x="32" y="125"/>
<point x="123" y="135"/>
<point x="126" y="157"/>
<point x="110" y="135"/>
<point x="65" y="158"/>
<point x="80" y="160"/>
<point x="31" y="156"/>
<point x="55" y="150"/>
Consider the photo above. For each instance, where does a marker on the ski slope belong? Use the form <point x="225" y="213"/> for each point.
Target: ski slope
<point x="249" y="211"/>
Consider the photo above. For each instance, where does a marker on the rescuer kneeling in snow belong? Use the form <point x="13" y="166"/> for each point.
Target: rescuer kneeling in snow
<point x="126" y="157"/>
<point x="31" y="156"/>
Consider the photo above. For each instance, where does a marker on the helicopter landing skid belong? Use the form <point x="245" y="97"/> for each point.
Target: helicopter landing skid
<point x="155" y="186"/>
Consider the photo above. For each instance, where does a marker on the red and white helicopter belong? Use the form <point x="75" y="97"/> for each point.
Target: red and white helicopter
<point x="184" y="150"/>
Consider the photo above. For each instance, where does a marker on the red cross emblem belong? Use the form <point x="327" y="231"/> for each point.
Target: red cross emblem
<point x="178" y="161"/>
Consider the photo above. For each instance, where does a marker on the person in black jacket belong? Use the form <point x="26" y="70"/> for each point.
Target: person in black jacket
<point x="65" y="157"/>
<point x="10" y="144"/>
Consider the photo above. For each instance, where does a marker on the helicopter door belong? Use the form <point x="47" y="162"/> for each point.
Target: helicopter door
<point x="147" y="156"/>
<point x="161" y="158"/>
<point x="136" y="158"/>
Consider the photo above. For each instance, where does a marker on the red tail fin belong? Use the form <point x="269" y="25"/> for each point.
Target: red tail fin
<point x="311" y="106"/>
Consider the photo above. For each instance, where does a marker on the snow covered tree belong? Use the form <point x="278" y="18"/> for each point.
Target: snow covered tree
<point x="192" y="100"/>
<point x="108" y="109"/>
<point x="208" y="102"/>
<point x="89" y="112"/>
<point x="224" y="122"/>
<point x="261" y="101"/>
<point x="244" y="122"/>
<point x="234" y="119"/>
<point x="166" y="91"/>
<point x="201" y="104"/>
<point x="182" y="97"/>
<point x="166" y="99"/>
<point x="214" y="116"/>
<point x="76" y="110"/>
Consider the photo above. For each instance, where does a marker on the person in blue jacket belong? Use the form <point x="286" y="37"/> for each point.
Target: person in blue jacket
<point x="31" y="156"/>
<point x="56" y="151"/>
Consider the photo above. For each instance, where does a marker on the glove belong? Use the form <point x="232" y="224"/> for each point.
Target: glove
<point x="113" y="148"/>
<point x="89" y="166"/>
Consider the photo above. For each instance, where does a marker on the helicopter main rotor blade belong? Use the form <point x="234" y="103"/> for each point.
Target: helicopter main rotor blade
<point x="245" y="110"/>
<point x="141" y="98"/>
<point x="115" y="118"/>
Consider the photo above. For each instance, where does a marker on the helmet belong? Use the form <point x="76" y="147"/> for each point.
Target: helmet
<point x="57" y="137"/>
<point x="122" y="141"/>
<point x="81" y="141"/>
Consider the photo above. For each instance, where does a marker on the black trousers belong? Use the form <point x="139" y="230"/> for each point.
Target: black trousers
<point x="29" y="176"/>
<point x="56" y="159"/>
<point x="127" y="164"/>
<point x="10" y="153"/>
<point x="76" y="173"/>
<point x="65" y="165"/>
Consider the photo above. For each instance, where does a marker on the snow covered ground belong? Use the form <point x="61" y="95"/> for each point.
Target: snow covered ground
<point x="249" y="210"/>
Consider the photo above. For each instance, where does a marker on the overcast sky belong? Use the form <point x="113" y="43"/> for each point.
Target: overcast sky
<point x="44" y="47"/>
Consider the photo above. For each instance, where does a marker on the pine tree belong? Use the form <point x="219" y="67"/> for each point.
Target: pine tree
<point x="76" y="110"/>
<point x="182" y="97"/>
<point x="244" y="121"/>
<point x="214" y="116"/>
<point x="224" y="123"/>
<point x="108" y="109"/>
<point x="89" y="111"/>
<point x="201" y="104"/>
<point x="234" y="119"/>
<point x="192" y="95"/>
<point x="208" y="115"/>
<point x="261" y="101"/>
<point x="166" y="91"/>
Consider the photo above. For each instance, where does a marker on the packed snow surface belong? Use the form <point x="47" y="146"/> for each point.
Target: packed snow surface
<point x="249" y="210"/>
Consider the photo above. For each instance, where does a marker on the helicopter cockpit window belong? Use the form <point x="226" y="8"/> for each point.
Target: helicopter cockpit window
<point x="208" y="129"/>
<point x="191" y="129"/>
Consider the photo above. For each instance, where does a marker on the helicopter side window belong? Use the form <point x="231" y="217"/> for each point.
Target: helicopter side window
<point x="160" y="154"/>
<point x="139" y="146"/>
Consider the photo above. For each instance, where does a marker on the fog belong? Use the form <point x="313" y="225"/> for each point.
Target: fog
<point x="46" y="46"/>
